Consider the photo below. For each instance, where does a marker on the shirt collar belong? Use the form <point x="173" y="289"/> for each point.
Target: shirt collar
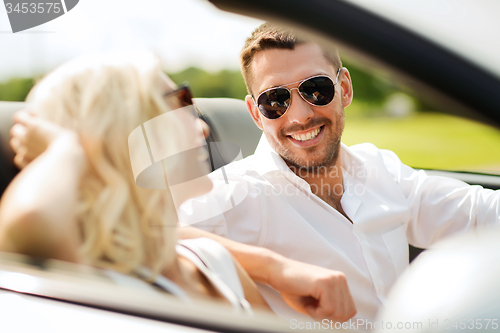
<point x="270" y="165"/>
<point x="269" y="162"/>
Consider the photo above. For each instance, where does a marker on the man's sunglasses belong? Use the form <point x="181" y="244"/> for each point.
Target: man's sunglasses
<point x="182" y="94"/>
<point x="318" y="90"/>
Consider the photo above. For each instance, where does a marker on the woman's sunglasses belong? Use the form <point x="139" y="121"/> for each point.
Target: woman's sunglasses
<point x="317" y="90"/>
<point x="182" y="94"/>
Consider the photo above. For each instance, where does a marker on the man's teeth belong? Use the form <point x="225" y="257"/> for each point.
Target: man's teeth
<point x="306" y="136"/>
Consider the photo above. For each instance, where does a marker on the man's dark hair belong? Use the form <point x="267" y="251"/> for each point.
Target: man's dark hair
<point x="268" y="36"/>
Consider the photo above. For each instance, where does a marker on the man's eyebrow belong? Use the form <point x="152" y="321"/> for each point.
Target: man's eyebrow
<point x="286" y="84"/>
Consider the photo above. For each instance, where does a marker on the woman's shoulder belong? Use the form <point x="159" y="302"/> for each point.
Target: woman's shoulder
<point x="215" y="257"/>
<point x="210" y="252"/>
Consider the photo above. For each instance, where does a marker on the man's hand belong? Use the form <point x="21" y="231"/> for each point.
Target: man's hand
<point x="315" y="291"/>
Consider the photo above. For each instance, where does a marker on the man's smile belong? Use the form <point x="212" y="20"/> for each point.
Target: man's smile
<point x="307" y="138"/>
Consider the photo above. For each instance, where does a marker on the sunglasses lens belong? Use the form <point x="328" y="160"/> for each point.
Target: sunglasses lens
<point x="179" y="98"/>
<point x="185" y="96"/>
<point x="318" y="90"/>
<point x="274" y="103"/>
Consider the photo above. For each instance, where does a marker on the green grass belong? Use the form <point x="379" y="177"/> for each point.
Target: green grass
<point x="430" y="140"/>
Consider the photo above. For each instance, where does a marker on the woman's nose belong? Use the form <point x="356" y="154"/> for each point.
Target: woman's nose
<point x="205" y="128"/>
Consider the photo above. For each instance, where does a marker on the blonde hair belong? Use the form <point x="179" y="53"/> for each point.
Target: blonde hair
<point x="104" y="98"/>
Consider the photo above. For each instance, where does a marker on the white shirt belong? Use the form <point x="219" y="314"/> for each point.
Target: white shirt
<point x="260" y="201"/>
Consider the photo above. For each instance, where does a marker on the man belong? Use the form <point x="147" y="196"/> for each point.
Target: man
<point x="306" y="196"/>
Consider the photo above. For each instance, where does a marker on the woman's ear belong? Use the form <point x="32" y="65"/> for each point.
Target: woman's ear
<point x="254" y="112"/>
<point x="345" y="87"/>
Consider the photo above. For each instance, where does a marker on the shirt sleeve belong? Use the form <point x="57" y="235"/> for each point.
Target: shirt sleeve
<point x="441" y="206"/>
<point x="233" y="209"/>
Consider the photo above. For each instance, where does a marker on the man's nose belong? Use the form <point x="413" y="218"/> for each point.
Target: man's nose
<point x="299" y="111"/>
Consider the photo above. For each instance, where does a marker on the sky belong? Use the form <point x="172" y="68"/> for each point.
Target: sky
<point x="183" y="33"/>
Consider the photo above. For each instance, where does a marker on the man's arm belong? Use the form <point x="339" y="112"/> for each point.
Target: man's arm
<point x="315" y="291"/>
<point x="252" y="294"/>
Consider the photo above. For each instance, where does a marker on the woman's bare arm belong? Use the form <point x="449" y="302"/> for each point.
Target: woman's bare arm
<point x="37" y="211"/>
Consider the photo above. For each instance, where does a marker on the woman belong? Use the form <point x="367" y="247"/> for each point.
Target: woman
<point x="76" y="198"/>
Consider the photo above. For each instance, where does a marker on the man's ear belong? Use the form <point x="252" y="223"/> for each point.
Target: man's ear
<point x="254" y="112"/>
<point x="346" y="87"/>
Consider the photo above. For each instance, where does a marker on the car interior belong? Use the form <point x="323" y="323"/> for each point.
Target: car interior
<point x="227" y="119"/>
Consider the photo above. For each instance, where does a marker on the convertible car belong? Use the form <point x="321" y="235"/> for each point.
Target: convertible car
<point x="445" y="52"/>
